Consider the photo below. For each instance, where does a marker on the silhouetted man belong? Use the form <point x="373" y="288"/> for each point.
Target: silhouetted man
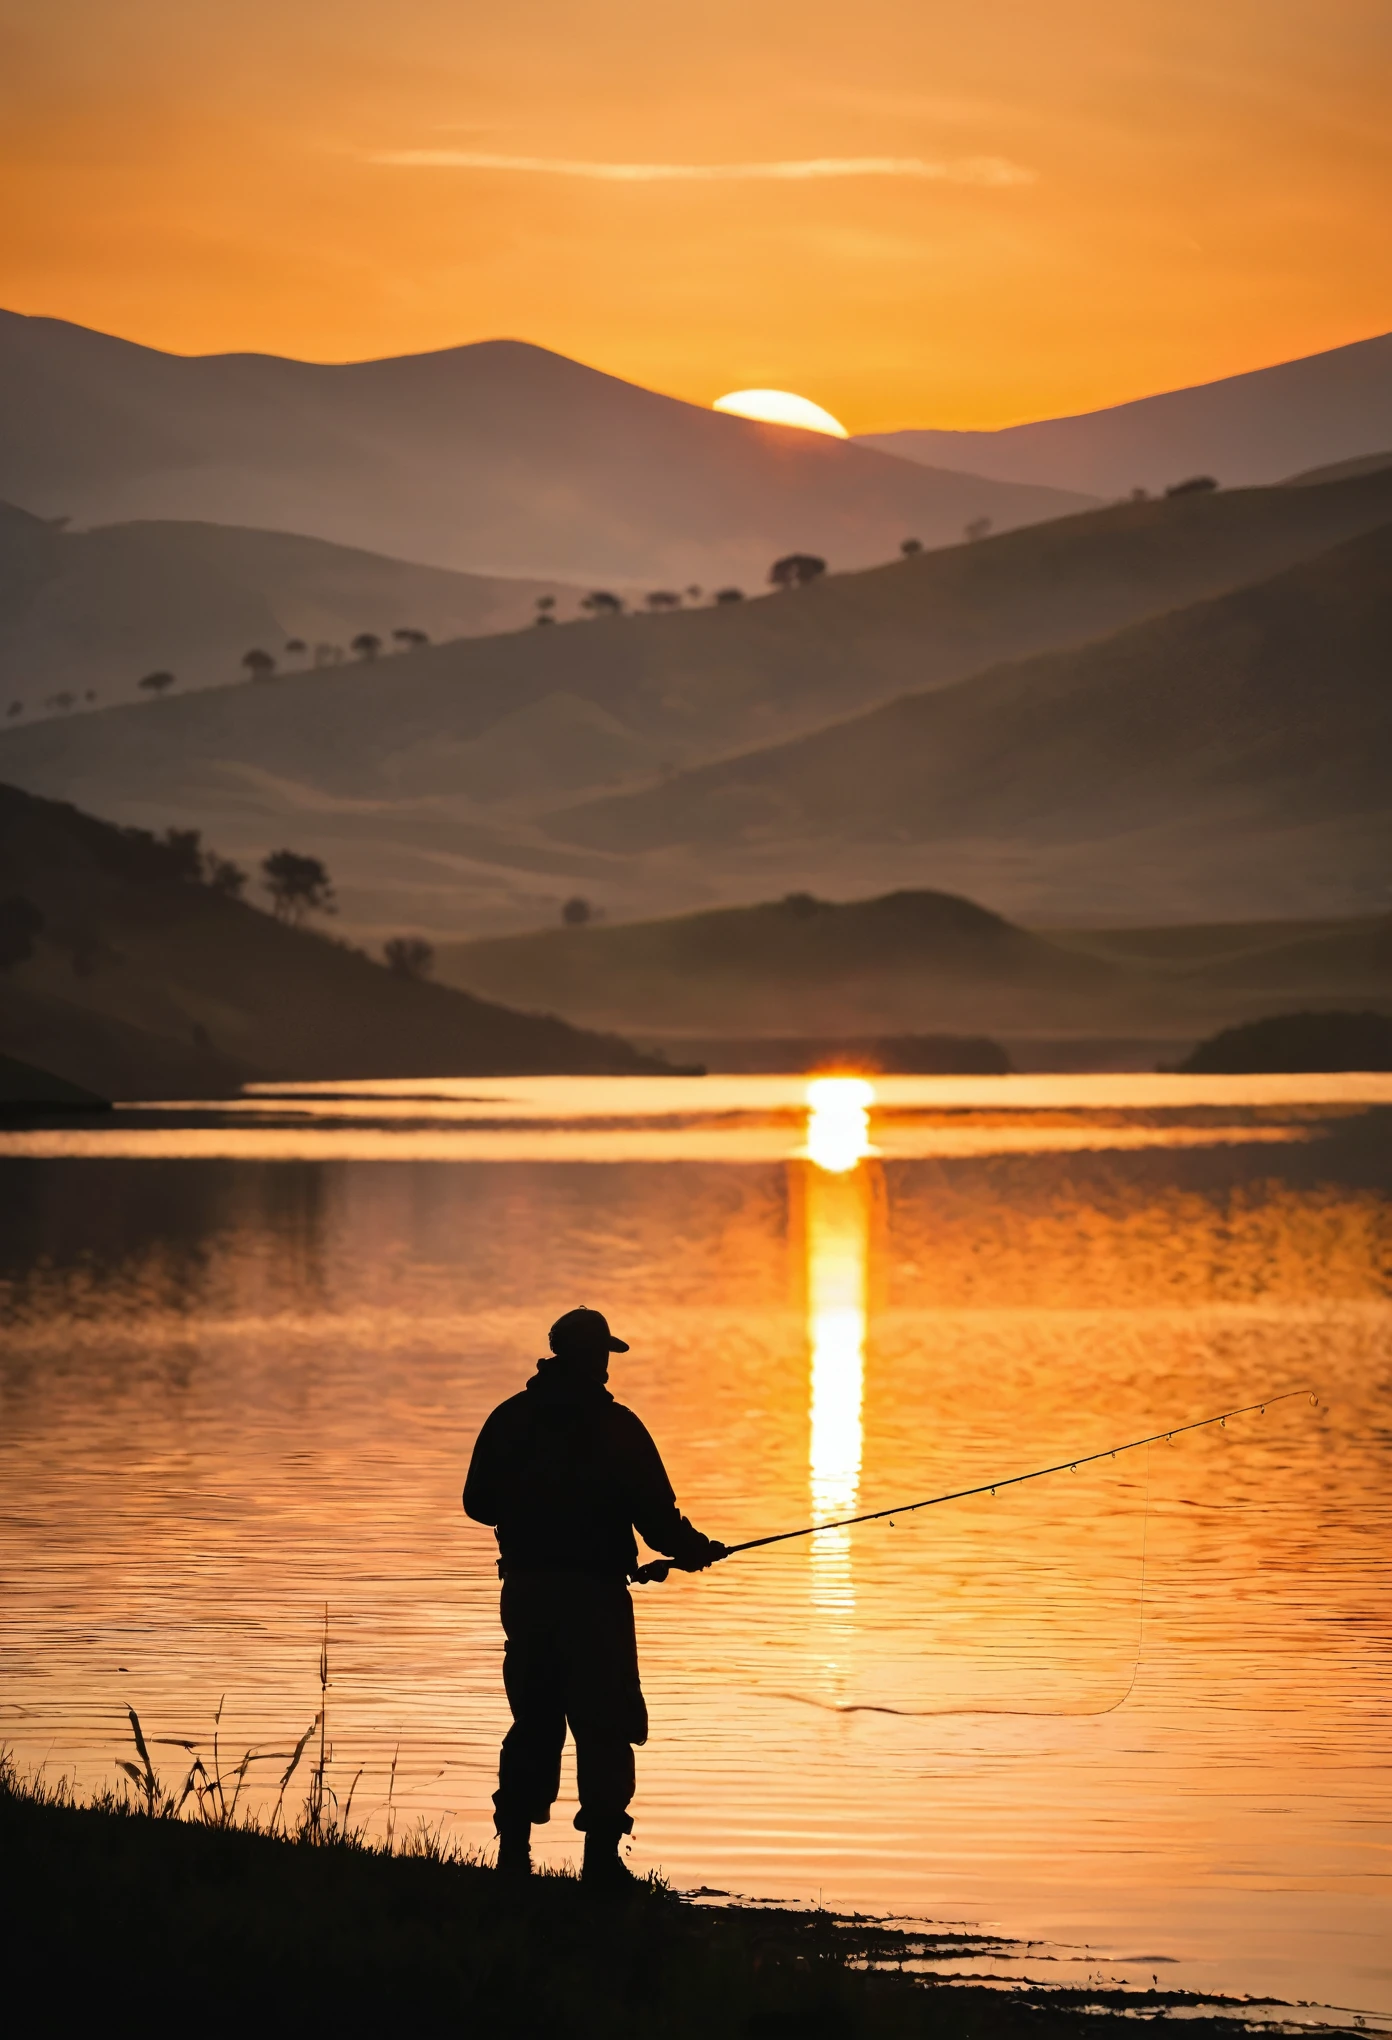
<point x="564" y="1474"/>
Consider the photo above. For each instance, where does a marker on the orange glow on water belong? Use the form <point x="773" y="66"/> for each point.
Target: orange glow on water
<point x="838" y="1253"/>
<point x="234" y="1389"/>
<point x="838" y="1123"/>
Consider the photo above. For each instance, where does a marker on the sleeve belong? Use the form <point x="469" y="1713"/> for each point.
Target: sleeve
<point x="656" y="1516"/>
<point x="483" y="1485"/>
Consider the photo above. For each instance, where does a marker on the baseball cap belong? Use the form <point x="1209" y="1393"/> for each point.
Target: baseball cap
<point x="584" y="1328"/>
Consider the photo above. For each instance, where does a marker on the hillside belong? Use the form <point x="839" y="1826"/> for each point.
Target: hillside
<point x="499" y="458"/>
<point x="1245" y="429"/>
<point x="912" y="961"/>
<point x="142" y="982"/>
<point x="1244" y="738"/>
<point x="98" y="610"/>
<point x="425" y="782"/>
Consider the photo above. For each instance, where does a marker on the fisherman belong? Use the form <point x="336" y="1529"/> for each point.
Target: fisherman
<point x="564" y="1474"/>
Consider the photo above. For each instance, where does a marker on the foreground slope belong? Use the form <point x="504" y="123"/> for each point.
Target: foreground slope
<point x="499" y="458"/>
<point x="1253" y="428"/>
<point x="101" y="609"/>
<point x="337" y="1938"/>
<point x="146" y="983"/>
<point x="423" y="781"/>
<point x="1246" y="734"/>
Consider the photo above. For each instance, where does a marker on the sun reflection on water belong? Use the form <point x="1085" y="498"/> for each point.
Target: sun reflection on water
<point x="838" y="1243"/>
<point x="838" y="1122"/>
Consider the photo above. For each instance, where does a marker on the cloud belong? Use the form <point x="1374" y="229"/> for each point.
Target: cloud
<point x="988" y="170"/>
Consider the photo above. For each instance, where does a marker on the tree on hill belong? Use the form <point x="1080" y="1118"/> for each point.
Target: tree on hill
<point x="297" y="885"/>
<point x="545" y="608"/>
<point x="295" y="648"/>
<point x="409" y="956"/>
<point x="1197" y="485"/>
<point x="20" y="922"/>
<point x="909" y="546"/>
<point x="411" y="640"/>
<point x="259" y="663"/>
<point x="1288" y="1043"/>
<point x="63" y="702"/>
<point x="802" y="905"/>
<point x="663" y="598"/>
<point x="601" y="602"/>
<point x="156" y="683"/>
<point x="724" y="595"/>
<point x="794" y="570"/>
<point x="576" y="912"/>
<point x="221" y="875"/>
<point x="366" y="644"/>
<point x="183" y="850"/>
<point x="694" y="593"/>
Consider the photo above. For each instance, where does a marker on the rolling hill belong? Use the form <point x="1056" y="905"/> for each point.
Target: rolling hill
<point x="498" y="458"/>
<point x="1243" y="741"/>
<point x="427" y="782"/>
<point x="909" y="962"/>
<point x="710" y="984"/>
<point x="143" y="982"/>
<point x="1245" y="429"/>
<point x="100" y="609"/>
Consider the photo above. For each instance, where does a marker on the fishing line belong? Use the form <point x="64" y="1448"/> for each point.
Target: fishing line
<point x="1028" y="1713"/>
<point x="658" y="1570"/>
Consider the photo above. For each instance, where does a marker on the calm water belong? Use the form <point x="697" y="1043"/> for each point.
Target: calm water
<point x="1139" y="1712"/>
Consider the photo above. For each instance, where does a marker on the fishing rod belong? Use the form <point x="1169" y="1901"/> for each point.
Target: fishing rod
<point x="657" y="1570"/>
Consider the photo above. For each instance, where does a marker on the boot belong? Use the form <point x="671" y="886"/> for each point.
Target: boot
<point x="514" y="1848"/>
<point x="604" y="1868"/>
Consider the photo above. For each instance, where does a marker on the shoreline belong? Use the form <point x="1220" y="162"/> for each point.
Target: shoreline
<point x="105" y="1898"/>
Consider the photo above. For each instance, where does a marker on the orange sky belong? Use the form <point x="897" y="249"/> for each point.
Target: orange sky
<point x="1090" y="199"/>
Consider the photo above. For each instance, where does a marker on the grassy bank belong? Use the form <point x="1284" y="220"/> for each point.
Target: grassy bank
<point x="115" y="1911"/>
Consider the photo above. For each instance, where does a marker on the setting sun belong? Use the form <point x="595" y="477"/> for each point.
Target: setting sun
<point x="781" y="407"/>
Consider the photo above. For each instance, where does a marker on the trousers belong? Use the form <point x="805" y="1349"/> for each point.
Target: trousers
<point x="571" y="1659"/>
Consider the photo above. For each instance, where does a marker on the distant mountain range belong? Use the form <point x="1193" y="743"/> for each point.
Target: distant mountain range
<point x="1261" y="427"/>
<point x="99" y="610"/>
<point x="497" y="459"/>
<point x="143" y="982"/>
<point x="1210" y="760"/>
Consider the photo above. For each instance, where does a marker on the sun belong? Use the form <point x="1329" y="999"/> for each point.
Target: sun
<point x="781" y="407"/>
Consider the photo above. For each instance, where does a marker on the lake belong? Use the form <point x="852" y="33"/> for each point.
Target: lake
<point x="1136" y="1714"/>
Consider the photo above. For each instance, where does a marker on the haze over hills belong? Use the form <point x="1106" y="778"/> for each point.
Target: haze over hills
<point x="1241" y="743"/>
<point x="499" y="458"/>
<point x="910" y="962"/>
<point x="101" y="609"/>
<point x="920" y="962"/>
<point x="436" y="786"/>
<point x="1245" y="429"/>
<point x="142" y="982"/>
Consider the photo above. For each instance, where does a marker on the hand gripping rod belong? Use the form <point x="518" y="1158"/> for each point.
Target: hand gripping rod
<point x="658" y="1569"/>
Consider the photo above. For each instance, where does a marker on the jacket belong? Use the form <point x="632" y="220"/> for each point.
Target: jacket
<point x="564" y="1474"/>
